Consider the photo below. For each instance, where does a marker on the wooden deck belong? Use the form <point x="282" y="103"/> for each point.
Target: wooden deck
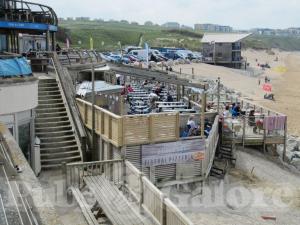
<point x="112" y="201"/>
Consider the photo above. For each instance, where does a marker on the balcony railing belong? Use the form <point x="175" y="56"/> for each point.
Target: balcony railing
<point x="22" y="11"/>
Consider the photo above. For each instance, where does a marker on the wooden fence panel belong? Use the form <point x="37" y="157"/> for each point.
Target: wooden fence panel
<point x="164" y="127"/>
<point x="136" y="130"/>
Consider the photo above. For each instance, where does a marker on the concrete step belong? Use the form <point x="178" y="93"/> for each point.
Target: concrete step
<point x="60" y="125"/>
<point x="52" y="119"/>
<point x="47" y="81"/>
<point x="49" y="106"/>
<point x="59" y="161"/>
<point x="43" y="89"/>
<point x="50" y="115"/>
<point x="59" y="149"/>
<point x="58" y="144"/>
<point x="45" y="140"/>
<point x="51" y="84"/>
<point x="46" y="97"/>
<point x="56" y="155"/>
<point x="50" y="101"/>
<point x="48" y="93"/>
<point x="49" y="134"/>
<point x="50" y="110"/>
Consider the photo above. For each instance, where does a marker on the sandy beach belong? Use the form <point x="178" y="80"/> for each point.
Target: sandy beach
<point x="284" y="75"/>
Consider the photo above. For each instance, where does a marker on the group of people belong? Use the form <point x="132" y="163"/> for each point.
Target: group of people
<point x="127" y="89"/>
<point x="194" y="130"/>
<point x="234" y="110"/>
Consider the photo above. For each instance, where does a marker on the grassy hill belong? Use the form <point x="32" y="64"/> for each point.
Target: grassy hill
<point x="267" y="42"/>
<point x="106" y="36"/>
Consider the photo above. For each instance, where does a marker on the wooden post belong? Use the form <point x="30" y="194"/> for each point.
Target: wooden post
<point x="150" y="124"/>
<point x="218" y="110"/>
<point x="93" y="115"/>
<point x="141" y="192"/>
<point x="202" y="114"/>
<point x="177" y="126"/>
<point x="121" y="98"/>
<point x="265" y="136"/>
<point x="178" y="92"/>
<point x="285" y="140"/>
<point x="244" y="131"/>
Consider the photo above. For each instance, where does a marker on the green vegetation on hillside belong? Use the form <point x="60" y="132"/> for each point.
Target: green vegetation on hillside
<point x="107" y="35"/>
<point x="268" y="42"/>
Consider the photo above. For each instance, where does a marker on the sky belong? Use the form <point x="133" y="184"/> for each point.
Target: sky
<point x="240" y="14"/>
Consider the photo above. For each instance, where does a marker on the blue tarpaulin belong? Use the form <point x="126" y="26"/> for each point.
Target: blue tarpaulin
<point x="14" y="67"/>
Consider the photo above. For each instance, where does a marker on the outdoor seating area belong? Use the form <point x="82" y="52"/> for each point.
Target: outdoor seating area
<point x="250" y="124"/>
<point x="153" y="98"/>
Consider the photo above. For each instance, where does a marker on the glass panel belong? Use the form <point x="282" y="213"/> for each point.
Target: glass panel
<point x="24" y="139"/>
<point x="3" y="46"/>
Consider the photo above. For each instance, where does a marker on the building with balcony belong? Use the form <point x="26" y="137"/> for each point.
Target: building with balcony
<point x="19" y="17"/>
<point x="25" y="29"/>
<point x="223" y="49"/>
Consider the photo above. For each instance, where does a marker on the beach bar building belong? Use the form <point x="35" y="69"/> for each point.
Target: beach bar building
<point x="223" y="49"/>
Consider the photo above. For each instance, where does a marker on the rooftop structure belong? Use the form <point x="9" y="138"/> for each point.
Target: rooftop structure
<point x="223" y="49"/>
<point x="223" y="38"/>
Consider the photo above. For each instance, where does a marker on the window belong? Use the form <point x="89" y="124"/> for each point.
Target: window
<point x="220" y="54"/>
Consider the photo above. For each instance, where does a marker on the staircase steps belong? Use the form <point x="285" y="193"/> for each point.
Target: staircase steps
<point x="53" y="127"/>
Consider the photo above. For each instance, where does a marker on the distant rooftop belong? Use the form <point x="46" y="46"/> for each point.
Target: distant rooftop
<point x="223" y="38"/>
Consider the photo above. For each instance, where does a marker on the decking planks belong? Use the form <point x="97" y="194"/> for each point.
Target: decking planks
<point x="113" y="202"/>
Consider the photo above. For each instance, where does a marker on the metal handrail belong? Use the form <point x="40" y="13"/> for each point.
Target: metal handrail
<point x="19" y="10"/>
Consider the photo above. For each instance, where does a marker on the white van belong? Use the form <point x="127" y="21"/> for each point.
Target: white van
<point x="141" y="54"/>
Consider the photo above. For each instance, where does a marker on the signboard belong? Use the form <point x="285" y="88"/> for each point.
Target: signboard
<point x="27" y="26"/>
<point x="173" y="152"/>
<point x="267" y="87"/>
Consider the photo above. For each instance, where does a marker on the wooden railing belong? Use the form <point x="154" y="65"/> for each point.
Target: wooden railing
<point x="153" y="201"/>
<point x="174" y="216"/>
<point x="120" y="172"/>
<point x="211" y="146"/>
<point x="112" y="169"/>
<point x="107" y="124"/>
<point x="68" y="92"/>
<point x="133" y="181"/>
<point x="130" y="130"/>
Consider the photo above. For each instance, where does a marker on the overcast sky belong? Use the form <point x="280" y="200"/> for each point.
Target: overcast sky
<point x="241" y="14"/>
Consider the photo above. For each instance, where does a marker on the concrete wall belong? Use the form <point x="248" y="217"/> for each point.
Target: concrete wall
<point x="18" y="97"/>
